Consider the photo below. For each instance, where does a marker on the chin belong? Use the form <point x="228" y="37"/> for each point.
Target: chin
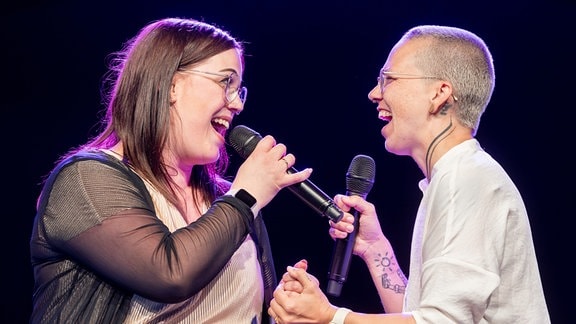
<point x="207" y="159"/>
<point x="390" y="148"/>
<point x="387" y="147"/>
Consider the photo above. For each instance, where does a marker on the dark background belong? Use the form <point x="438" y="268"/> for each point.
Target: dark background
<point x="310" y="65"/>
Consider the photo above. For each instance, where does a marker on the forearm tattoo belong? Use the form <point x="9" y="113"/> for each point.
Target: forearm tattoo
<point x="389" y="265"/>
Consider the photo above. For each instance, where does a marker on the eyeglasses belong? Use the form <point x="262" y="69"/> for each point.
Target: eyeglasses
<point x="231" y="84"/>
<point x="386" y="76"/>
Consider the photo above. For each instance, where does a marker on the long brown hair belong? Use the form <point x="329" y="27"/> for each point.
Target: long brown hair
<point x="137" y="93"/>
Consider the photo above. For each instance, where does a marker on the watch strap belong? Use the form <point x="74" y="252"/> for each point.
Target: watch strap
<point x="340" y="315"/>
<point x="245" y="197"/>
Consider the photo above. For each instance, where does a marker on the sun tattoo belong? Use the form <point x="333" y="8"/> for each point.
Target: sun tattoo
<point x="388" y="263"/>
<point x="383" y="261"/>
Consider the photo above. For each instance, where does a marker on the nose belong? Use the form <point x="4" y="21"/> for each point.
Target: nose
<point x="375" y="94"/>
<point x="236" y="105"/>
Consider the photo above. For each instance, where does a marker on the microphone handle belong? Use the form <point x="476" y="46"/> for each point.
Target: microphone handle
<point x="342" y="256"/>
<point x="315" y="198"/>
<point x="244" y="140"/>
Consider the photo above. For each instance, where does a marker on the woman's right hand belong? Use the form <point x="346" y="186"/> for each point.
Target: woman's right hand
<point x="263" y="173"/>
<point x="369" y="232"/>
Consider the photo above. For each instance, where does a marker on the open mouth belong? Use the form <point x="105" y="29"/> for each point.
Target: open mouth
<point x="220" y="125"/>
<point x="384" y="115"/>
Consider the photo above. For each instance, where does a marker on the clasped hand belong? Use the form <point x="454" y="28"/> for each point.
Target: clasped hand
<point x="298" y="298"/>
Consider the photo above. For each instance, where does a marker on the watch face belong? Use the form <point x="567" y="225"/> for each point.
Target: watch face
<point x="246" y="198"/>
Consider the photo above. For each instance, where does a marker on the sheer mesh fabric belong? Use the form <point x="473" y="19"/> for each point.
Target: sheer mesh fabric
<point x="92" y="205"/>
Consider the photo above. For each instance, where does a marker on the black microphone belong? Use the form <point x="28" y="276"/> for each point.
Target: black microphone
<point x="244" y="140"/>
<point x="359" y="181"/>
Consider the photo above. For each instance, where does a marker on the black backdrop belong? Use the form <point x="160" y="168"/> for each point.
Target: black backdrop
<point x="310" y="65"/>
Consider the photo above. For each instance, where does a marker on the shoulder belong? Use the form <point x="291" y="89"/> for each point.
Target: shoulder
<point x="223" y="184"/>
<point x="92" y="166"/>
<point x="96" y="171"/>
<point x="469" y="163"/>
<point x="473" y="175"/>
<point x="81" y="156"/>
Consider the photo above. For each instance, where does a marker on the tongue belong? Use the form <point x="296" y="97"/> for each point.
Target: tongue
<point x="219" y="128"/>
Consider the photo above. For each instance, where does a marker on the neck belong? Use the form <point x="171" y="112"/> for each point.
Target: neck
<point x="447" y="138"/>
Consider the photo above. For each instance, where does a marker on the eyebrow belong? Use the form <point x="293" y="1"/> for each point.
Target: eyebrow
<point x="229" y="70"/>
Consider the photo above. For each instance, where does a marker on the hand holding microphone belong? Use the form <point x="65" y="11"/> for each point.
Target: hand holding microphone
<point x="244" y="141"/>
<point x="359" y="182"/>
<point x="264" y="173"/>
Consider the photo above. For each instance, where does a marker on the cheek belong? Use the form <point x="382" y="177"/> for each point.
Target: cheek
<point x="406" y="105"/>
<point x="183" y="120"/>
<point x="175" y="132"/>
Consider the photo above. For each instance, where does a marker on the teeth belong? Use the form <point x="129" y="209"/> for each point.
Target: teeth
<point x="383" y="114"/>
<point x="222" y="122"/>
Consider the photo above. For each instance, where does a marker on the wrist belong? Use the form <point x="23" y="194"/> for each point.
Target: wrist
<point x="340" y="315"/>
<point x="246" y="198"/>
<point x="378" y="247"/>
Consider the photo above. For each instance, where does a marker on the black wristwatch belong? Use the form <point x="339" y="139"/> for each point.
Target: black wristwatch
<point x="245" y="197"/>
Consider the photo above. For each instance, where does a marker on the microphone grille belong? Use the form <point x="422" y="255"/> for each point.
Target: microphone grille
<point x="360" y="176"/>
<point x="243" y="139"/>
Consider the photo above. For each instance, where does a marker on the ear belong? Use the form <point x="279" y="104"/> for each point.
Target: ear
<point x="174" y="87"/>
<point x="442" y="99"/>
<point x="172" y="94"/>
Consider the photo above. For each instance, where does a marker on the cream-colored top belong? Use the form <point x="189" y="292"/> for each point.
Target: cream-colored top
<point x="472" y="257"/>
<point x="235" y="295"/>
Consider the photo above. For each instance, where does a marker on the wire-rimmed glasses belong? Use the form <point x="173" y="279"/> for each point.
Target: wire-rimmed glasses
<point x="231" y="84"/>
<point x="386" y="76"/>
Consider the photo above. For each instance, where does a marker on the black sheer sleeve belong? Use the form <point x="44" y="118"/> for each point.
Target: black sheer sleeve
<point x="96" y="216"/>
